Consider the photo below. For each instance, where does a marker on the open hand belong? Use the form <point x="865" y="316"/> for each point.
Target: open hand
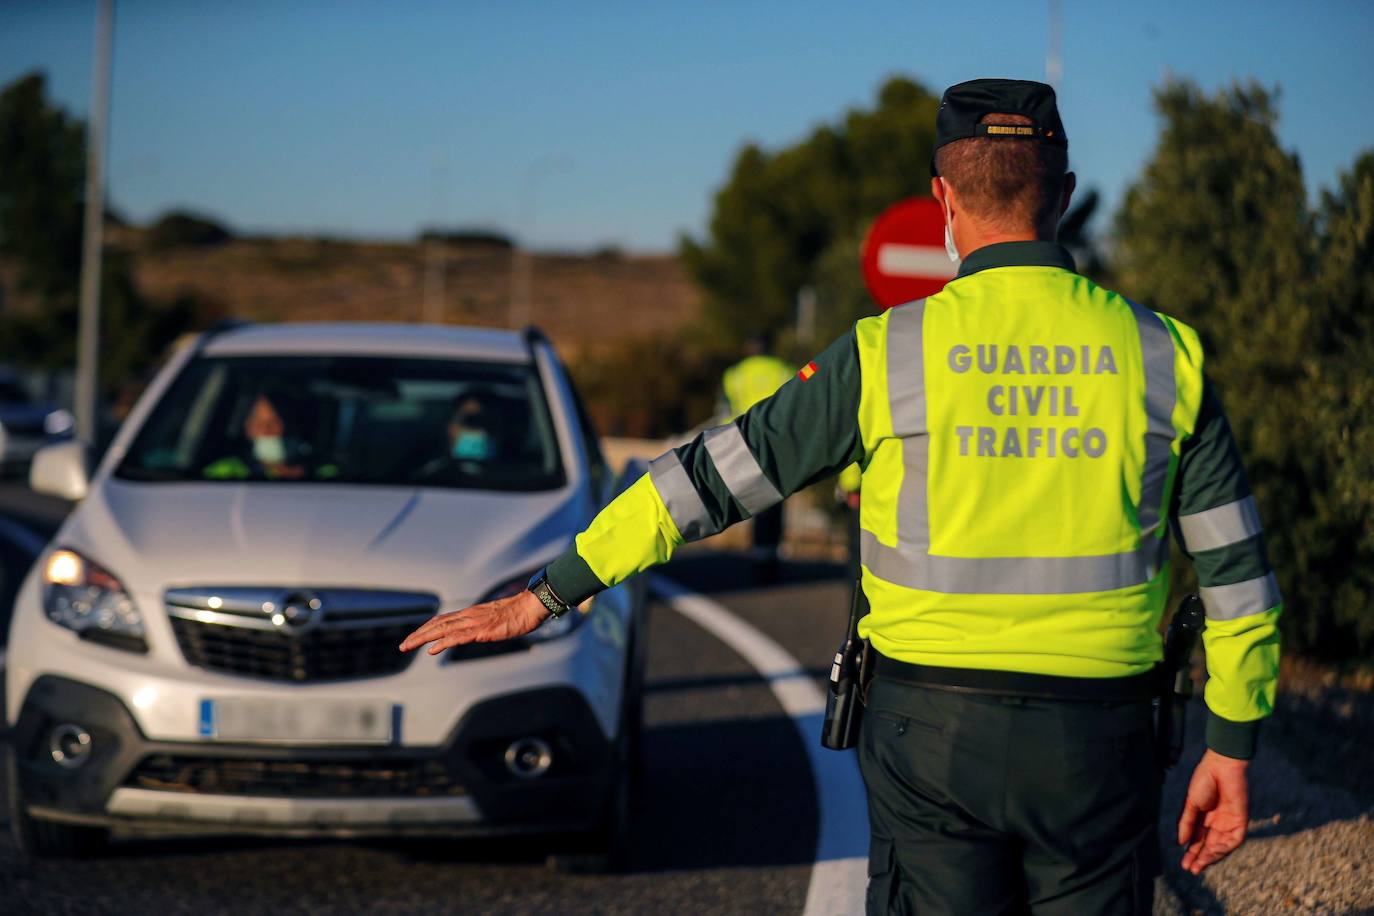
<point x="1219" y="793"/>
<point x="504" y="618"/>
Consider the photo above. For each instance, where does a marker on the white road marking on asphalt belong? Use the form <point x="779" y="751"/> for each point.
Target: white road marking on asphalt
<point x="839" y="875"/>
<point x="915" y="261"/>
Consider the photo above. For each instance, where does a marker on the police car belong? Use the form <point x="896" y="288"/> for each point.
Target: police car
<point x="210" y="640"/>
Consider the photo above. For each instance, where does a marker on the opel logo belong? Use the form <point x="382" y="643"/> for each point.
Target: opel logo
<point x="295" y="612"/>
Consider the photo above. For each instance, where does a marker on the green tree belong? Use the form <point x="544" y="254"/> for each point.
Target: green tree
<point x="658" y="403"/>
<point x="798" y="217"/>
<point x="780" y="214"/>
<point x="42" y="170"/>
<point x="1217" y="232"/>
<point x="180" y="229"/>
<point x="1341" y="394"/>
<point x="42" y="188"/>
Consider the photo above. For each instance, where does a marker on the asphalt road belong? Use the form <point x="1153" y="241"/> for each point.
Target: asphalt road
<point x="727" y="825"/>
<point x="729" y="819"/>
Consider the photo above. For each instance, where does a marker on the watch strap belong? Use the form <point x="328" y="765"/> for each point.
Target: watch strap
<point x="539" y="585"/>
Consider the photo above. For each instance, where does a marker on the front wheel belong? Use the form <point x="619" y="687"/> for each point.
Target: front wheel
<point x="606" y="849"/>
<point x="38" y="839"/>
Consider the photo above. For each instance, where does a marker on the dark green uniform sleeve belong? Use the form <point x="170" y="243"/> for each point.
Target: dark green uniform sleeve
<point x="1218" y="525"/>
<point x="807" y="430"/>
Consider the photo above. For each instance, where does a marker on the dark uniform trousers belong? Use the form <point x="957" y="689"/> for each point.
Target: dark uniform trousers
<point x="986" y="804"/>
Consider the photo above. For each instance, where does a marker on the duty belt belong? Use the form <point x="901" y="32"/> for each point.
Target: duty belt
<point x="1132" y="688"/>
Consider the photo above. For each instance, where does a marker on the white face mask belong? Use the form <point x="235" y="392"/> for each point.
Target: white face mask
<point x="269" y="449"/>
<point x="949" y="236"/>
<point x="949" y="245"/>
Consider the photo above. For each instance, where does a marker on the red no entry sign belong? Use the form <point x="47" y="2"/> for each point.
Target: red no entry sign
<point x="904" y="253"/>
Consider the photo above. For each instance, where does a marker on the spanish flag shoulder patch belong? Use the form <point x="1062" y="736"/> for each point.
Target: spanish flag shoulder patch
<point x="807" y="371"/>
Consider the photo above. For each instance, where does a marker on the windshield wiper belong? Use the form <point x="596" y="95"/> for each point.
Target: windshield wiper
<point x="152" y="475"/>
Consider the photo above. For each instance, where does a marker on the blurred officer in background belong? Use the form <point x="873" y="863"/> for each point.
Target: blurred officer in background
<point x="1027" y="440"/>
<point x="745" y="384"/>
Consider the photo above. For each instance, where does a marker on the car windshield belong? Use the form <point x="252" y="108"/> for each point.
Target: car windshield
<point x="350" y="419"/>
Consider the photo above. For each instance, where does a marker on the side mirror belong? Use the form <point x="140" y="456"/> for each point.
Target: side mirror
<point x="61" y="470"/>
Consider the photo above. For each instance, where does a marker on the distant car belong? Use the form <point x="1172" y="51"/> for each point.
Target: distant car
<point x="26" y="426"/>
<point x="210" y="640"/>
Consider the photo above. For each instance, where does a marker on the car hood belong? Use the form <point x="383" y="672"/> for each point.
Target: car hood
<point x="457" y="544"/>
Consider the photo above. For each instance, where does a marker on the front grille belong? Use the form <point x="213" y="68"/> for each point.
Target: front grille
<point x="319" y="656"/>
<point x="297" y="635"/>
<point x="298" y="779"/>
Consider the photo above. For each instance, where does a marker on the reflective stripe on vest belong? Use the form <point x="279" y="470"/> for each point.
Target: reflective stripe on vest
<point x="1241" y="599"/>
<point x="911" y="564"/>
<point x="1161" y="393"/>
<point x="1220" y="526"/>
<point x="680" y="497"/>
<point x="739" y="469"/>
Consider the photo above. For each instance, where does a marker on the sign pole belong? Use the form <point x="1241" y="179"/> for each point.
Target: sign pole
<point x="88" y="330"/>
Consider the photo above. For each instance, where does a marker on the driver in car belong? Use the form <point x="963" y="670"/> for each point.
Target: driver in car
<point x="272" y="452"/>
<point x="471" y="437"/>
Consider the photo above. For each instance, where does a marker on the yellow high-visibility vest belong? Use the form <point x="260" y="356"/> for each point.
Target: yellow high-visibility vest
<point x="1022" y="428"/>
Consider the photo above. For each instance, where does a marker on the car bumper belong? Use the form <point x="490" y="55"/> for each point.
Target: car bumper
<point x="459" y="787"/>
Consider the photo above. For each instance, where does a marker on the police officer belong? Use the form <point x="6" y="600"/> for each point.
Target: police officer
<point x="746" y="383"/>
<point x="1028" y="439"/>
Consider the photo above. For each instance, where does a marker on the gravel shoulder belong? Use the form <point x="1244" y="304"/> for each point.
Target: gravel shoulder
<point x="1311" y="842"/>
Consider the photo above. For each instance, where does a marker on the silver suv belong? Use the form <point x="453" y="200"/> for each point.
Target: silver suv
<point x="210" y="641"/>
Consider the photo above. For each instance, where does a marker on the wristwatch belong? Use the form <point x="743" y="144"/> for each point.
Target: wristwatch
<point x="539" y="584"/>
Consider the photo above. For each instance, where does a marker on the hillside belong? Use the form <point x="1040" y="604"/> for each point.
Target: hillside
<point x="580" y="300"/>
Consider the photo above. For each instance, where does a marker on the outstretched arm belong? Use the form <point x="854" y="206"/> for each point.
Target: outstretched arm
<point x="805" y="431"/>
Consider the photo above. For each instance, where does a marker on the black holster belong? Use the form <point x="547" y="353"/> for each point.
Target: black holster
<point x="1176" y="682"/>
<point x="850" y="674"/>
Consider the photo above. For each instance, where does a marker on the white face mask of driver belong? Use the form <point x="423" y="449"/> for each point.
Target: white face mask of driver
<point x="269" y="449"/>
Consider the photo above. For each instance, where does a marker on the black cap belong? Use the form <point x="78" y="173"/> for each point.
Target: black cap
<point x="965" y="104"/>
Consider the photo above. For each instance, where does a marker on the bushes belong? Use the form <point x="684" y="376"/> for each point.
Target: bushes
<point x="1218" y="232"/>
<point x="181" y="229"/>
<point x="651" y="387"/>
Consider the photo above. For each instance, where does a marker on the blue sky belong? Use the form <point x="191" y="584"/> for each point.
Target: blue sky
<point x="578" y="124"/>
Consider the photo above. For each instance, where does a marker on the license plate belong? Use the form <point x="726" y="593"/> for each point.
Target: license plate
<point x="300" y="720"/>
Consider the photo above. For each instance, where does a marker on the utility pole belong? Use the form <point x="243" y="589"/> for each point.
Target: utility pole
<point x="88" y="330"/>
<point x="521" y="304"/>
<point x="435" y="267"/>
<point x="436" y="247"/>
<point x="1054" y="60"/>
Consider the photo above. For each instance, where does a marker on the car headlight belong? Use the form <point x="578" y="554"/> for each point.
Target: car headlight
<point x="84" y="597"/>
